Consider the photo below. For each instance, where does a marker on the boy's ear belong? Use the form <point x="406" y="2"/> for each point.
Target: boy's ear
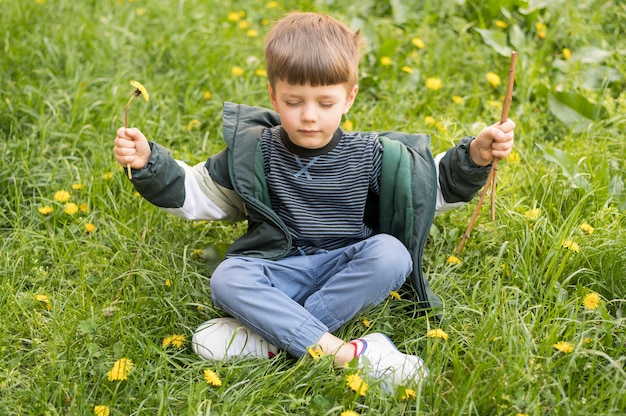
<point x="272" y="97"/>
<point x="350" y="99"/>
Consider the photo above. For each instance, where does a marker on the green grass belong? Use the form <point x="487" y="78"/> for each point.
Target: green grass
<point x="143" y="275"/>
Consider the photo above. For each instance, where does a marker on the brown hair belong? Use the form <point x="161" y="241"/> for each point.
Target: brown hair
<point x="312" y="48"/>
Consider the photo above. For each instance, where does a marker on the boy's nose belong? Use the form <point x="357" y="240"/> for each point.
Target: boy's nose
<point x="308" y="113"/>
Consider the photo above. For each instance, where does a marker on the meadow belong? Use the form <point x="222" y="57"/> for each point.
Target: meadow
<point x="100" y="291"/>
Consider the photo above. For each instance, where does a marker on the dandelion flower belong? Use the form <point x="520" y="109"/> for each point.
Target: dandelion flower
<point x="107" y="175"/>
<point x="437" y="333"/>
<point x="433" y="83"/>
<point x="120" y="370"/>
<point x="233" y="17"/>
<point x="212" y="378"/>
<point x="567" y="53"/>
<point x="532" y="214"/>
<point x="571" y="245"/>
<point x="395" y="295"/>
<point x="271" y="4"/>
<point x="501" y="24"/>
<point x="77" y="186"/>
<point x="564" y="347"/>
<point x="45" y="300"/>
<point x="407" y="69"/>
<point x="356" y="383"/>
<point x="591" y="301"/>
<point x="207" y="95"/>
<point x="366" y="323"/>
<point x="168" y="283"/>
<point x="408" y="394"/>
<point x="541" y="30"/>
<point x="587" y="228"/>
<point x="493" y="78"/>
<point x="45" y="210"/>
<point x="513" y="157"/>
<point x="418" y="43"/>
<point x="457" y="99"/>
<point x="385" y="61"/>
<point x="90" y="228"/>
<point x="252" y="33"/>
<point x="260" y="73"/>
<point x="315" y="352"/>
<point x="347" y="125"/>
<point x="349" y="413"/>
<point x="430" y="121"/>
<point x="140" y="90"/>
<point x="453" y="260"/>
<point x="101" y="410"/>
<point x="62" y="196"/>
<point x="70" y="208"/>
<point x="236" y="70"/>
<point x="176" y="341"/>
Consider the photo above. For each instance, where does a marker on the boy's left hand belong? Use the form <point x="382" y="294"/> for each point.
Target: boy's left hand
<point x="494" y="142"/>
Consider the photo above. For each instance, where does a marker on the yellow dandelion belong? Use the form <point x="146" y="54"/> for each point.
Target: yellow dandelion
<point x="437" y="333"/>
<point x="541" y="30"/>
<point x="349" y="413"/>
<point x="457" y="99"/>
<point x="591" y="301"/>
<point x="564" y="347"/>
<point x="356" y="384"/>
<point x="70" y="208"/>
<point x="395" y="295"/>
<point x="140" y="11"/>
<point x="233" y="17"/>
<point x="385" y="61"/>
<point x="513" y="157"/>
<point x="101" y="410"/>
<point x="587" y="228"/>
<point x="430" y="121"/>
<point x="45" y="210"/>
<point x="408" y="394"/>
<point x="107" y="175"/>
<point x="501" y="24"/>
<point x="567" y="53"/>
<point x="272" y="4"/>
<point x="453" y="260"/>
<point x="366" y="323"/>
<point x="493" y="79"/>
<point x="84" y="208"/>
<point x="407" y="69"/>
<point x="315" y="352"/>
<point x="193" y="123"/>
<point x="45" y="300"/>
<point x="120" y="370"/>
<point x="243" y="25"/>
<point x="571" y="245"/>
<point x="261" y="72"/>
<point x="207" y="95"/>
<point x="532" y="214"/>
<point x="433" y="83"/>
<point x="40" y="1"/>
<point x="505" y="269"/>
<point x="212" y="378"/>
<point x="140" y="90"/>
<point x="418" y="43"/>
<point x="77" y="186"/>
<point x="197" y="253"/>
<point x="251" y="33"/>
<point x="90" y="228"/>
<point x="168" y="282"/>
<point x="587" y="340"/>
<point x="236" y="70"/>
<point x="347" y="125"/>
<point x="176" y="341"/>
<point x="521" y="414"/>
<point x="62" y="196"/>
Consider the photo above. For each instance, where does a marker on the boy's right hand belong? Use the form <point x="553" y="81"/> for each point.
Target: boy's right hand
<point x="131" y="147"/>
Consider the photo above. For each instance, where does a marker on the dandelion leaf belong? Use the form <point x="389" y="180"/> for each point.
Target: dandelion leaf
<point x="496" y="40"/>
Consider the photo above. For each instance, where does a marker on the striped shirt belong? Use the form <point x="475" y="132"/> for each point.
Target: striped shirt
<point x="320" y="194"/>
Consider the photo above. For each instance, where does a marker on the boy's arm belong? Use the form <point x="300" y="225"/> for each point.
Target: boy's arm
<point x="185" y="191"/>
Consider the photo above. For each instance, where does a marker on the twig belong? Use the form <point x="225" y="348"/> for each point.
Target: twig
<point x="491" y="179"/>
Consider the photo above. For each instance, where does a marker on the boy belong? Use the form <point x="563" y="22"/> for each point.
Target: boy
<point x="336" y="220"/>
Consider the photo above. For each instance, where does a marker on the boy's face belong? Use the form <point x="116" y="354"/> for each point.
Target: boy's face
<point x="310" y="115"/>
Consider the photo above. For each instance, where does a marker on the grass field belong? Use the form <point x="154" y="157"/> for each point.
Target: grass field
<point x="534" y="320"/>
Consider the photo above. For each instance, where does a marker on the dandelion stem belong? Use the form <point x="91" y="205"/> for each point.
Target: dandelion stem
<point x="491" y="179"/>
<point x="130" y="175"/>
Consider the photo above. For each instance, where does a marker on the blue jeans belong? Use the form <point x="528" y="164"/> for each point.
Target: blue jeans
<point x="293" y="301"/>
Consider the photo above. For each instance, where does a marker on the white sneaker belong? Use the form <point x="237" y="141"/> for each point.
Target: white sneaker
<point x="380" y="358"/>
<point x="225" y="338"/>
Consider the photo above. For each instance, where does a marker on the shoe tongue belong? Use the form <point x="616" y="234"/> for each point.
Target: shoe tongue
<point x="359" y="346"/>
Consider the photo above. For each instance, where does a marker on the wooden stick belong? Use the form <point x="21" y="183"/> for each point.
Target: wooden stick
<point x="491" y="179"/>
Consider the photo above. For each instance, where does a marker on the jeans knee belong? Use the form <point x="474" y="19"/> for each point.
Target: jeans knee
<point x="223" y="281"/>
<point x="393" y="255"/>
